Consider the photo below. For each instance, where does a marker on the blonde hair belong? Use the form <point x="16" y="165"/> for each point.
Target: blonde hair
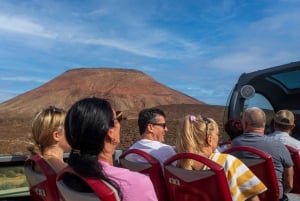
<point x="192" y="136"/>
<point x="44" y="123"/>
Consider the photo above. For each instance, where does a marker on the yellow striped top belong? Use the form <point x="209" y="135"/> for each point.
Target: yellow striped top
<point x="242" y="182"/>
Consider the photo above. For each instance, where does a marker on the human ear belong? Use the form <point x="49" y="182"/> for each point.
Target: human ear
<point x="110" y="133"/>
<point x="56" y="136"/>
<point x="209" y="140"/>
<point x="110" y="137"/>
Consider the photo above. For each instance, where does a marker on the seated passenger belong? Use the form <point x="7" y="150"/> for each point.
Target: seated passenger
<point x="93" y="131"/>
<point x="200" y="135"/>
<point x="153" y="128"/>
<point x="254" y="121"/>
<point x="49" y="136"/>
<point x="233" y="128"/>
<point x="284" y="123"/>
<point x="296" y="130"/>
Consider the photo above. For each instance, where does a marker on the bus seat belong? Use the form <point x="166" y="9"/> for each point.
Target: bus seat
<point x="41" y="182"/>
<point x="261" y="164"/>
<point x="296" y="159"/>
<point x="116" y="156"/>
<point x="152" y="168"/>
<point x="99" y="189"/>
<point x="196" y="185"/>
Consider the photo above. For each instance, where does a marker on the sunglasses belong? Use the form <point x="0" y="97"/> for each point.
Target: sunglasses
<point x="206" y="121"/>
<point x="53" y="110"/>
<point x="119" y="116"/>
<point x="163" y="125"/>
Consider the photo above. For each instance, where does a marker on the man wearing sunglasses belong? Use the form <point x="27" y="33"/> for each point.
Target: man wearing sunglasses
<point x="152" y="127"/>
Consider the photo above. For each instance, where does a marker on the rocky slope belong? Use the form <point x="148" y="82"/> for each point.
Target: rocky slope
<point x="128" y="90"/>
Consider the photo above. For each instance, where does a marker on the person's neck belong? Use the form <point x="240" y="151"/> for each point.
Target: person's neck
<point x="255" y="130"/>
<point x="53" y="152"/>
<point x="284" y="131"/>
<point x="148" y="136"/>
<point x="205" y="152"/>
<point x="106" y="155"/>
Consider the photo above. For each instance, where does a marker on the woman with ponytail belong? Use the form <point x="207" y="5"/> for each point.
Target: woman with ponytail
<point x="93" y="131"/>
<point x="200" y="135"/>
<point x="48" y="136"/>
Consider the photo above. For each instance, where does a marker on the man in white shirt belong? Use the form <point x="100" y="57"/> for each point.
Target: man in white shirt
<point x="152" y="127"/>
<point x="284" y="122"/>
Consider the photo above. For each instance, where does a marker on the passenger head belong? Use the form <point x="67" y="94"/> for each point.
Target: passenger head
<point x="198" y="135"/>
<point x="284" y="120"/>
<point x="233" y="128"/>
<point x="152" y="124"/>
<point x="254" y="120"/>
<point x="91" y="125"/>
<point x="48" y="130"/>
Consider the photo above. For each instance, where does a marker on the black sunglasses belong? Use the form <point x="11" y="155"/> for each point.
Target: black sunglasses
<point x="53" y="109"/>
<point x="163" y="125"/>
<point x="206" y="121"/>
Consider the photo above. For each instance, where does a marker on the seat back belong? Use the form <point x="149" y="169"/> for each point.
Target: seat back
<point x="196" y="185"/>
<point x="296" y="159"/>
<point x="41" y="182"/>
<point x="261" y="164"/>
<point x="100" y="190"/>
<point x="152" y="168"/>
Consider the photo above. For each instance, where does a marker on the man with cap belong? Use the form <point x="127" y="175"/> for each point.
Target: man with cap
<point x="284" y="122"/>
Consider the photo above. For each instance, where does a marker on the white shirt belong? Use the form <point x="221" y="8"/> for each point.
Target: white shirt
<point x="286" y="139"/>
<point x="158" y="150"/>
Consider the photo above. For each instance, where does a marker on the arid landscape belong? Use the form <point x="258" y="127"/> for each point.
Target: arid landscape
<point x="128" y="90"/>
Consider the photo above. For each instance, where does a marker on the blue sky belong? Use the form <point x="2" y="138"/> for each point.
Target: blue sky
<point x="198" y="47"/>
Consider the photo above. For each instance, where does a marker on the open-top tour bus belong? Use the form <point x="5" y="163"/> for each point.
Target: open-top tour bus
<point x="271" y="89"/>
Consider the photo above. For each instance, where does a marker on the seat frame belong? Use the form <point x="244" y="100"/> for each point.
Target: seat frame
<point x="152" y="168"/>
<point x="42" y="184"/>
<point x="262" y="167"/>
<point x="188" y="185"/>
<point x="101" y="190"/>
<point x="296" y="159"/>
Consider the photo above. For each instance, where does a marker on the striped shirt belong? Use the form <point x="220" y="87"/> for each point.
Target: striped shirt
<point x="242" y="182"/>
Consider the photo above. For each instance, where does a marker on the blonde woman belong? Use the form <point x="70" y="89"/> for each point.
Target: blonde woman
<point x="49" y="136"/>
<point x="200" y="135"/>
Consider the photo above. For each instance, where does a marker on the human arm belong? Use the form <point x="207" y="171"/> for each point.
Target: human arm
<point x="288" y="175"/>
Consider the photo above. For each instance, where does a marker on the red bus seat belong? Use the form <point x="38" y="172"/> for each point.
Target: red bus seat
<point x="100" y="190"/>
<point x="152" y="168"/>
<point x="296" y="159"/>
<point x="42" y="184"/>
<point x="261" y="164"/>
<point x="196" y="185"/>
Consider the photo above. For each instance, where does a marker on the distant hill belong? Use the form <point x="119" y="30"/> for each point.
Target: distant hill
<point x="128" y="90"/>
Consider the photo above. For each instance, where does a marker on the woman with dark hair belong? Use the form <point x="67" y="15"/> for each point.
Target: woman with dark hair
<point x="93" y="131"/>
<point x="233" y="128"/>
